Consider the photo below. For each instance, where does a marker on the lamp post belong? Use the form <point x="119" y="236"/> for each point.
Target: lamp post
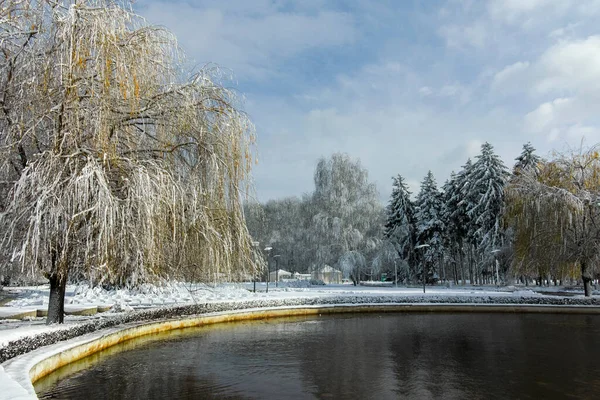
<point x="494" y="252"/>
<point x="255" y="245"/>
<point x="268" y="250"/>
<point x="276" y="257"/>
<point x="422" y="246"/>
<point x="395" y="272"/>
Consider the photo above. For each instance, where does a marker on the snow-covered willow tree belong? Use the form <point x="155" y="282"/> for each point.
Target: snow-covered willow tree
<point x="520" y="239"/>
<point x="114" y="167"/>
<point x="556" y="214"/>
<point x="347" y="215"/>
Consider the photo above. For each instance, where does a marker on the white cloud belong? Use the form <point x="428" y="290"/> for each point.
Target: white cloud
<point x="374" y="114"/>
<point x="252" y="41"/>
<point x="425" y="91"/>
<point x="569" y="119"/>
<point x="548" y="114"/>
<point x="511" y="71"/>
<point x="471" y="35"/>
<point x="513" y="11"/>
<point x="509" y="74"/>
<point x="570" y="66"/>
<point x="564" y="32"/>
<point x="590" y="134"/>
<point x="473" y="147"/>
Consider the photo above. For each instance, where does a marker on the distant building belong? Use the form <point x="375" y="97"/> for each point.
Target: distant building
<point x="280" y="275"/>
<point x="301" y="277"/>
<point x="328" y="275"/>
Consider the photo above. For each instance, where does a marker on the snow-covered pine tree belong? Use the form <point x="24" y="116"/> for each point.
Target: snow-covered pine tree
<point x="488" y="179"/>
<point x="527" y="159"/>
<point x="399" y="227"/>
<point x="455" y="231"/>
<point x="430" y="226"/>
<point x="460" y="204"/>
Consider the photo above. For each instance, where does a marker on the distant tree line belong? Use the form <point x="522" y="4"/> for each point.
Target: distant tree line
<point x="486" y="225"/>
<point x="339" y="224"/>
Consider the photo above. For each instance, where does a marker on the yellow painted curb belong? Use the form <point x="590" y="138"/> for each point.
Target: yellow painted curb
<point x="81" y="310"/>
<point x="77" y="352"/>
<point x="20" y="314"/>
<point x="104" y="308"/>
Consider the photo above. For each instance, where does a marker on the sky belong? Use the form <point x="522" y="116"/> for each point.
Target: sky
<point x="406" y="86"/>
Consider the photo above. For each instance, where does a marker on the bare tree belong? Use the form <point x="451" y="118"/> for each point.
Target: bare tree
<point x="114" y="168"/>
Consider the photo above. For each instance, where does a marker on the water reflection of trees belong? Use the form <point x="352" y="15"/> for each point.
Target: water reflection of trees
<point x="345" y="359"/>
<point x="458" y="356"/>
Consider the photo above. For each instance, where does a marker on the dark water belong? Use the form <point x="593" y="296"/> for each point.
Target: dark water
<point x="388" y="356"/>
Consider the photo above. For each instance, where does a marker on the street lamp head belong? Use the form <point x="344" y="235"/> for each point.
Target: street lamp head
<point x="268" y="248"/>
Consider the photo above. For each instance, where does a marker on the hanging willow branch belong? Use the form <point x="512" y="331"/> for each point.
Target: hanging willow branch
<point x="555" y="210"/>
<point x="114" y="169"/>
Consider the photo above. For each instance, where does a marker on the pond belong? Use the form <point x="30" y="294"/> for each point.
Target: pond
<point x="360" y="356"/>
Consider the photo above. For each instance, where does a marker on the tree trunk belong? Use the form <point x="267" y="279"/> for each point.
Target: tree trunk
<point x="471" y="272"/>
<point x="587" y="279"/>
<point x="443" y="268"/>
<point x="461" y="257"/>
<point x="56" y="303"/>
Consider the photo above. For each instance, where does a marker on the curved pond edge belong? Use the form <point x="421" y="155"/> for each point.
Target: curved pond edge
<point x="20" y="372"/>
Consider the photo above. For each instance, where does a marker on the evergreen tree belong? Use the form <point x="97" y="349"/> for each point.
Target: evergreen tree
<point x="462" y="198"/>
<point x="429" y="223"/>
<point x="400" y="222"/>
<point x="460" y="202"/>
<point x="527" y="159"/>
<point x="489" y="177"/>
<point x="455" y="231"/>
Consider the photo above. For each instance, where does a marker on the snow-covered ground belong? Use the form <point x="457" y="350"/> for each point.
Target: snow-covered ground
<point x="174" y="299"/>
<point x="36" y="297"/>
<point x="179" y="294"/>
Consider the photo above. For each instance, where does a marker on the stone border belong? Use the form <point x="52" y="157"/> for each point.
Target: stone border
<point x="30" y="367"/>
